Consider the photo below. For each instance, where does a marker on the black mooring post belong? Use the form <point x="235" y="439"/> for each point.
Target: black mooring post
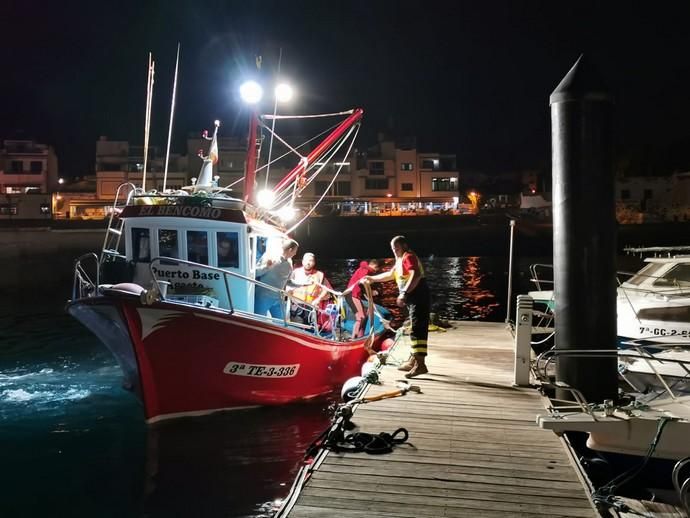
<point x="584" y="232"/>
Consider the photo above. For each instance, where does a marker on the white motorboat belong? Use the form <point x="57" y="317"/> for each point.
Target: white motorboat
<point x="652" y="306"/>
<point x="662" y="426"/>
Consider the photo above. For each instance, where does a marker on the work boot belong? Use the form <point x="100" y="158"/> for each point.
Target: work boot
<point x="409" y="364"/>
<point x="419" y="368"/>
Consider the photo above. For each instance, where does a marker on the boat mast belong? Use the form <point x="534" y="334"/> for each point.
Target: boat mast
<point x="147" y="122"/>
<point x="172" y="113"/>
<point x="252" y="148"/>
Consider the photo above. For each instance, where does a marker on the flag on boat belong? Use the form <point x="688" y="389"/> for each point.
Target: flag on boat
<point x="213" y="151"/>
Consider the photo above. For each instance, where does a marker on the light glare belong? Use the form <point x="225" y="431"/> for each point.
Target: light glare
<point x="286" y="213"/>
<point x="284" y="92"/>
<point x="251" y="92"/>
<point x="265" y="198"/>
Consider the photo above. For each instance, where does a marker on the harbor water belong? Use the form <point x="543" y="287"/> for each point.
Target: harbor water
<point x="75" y="443"/>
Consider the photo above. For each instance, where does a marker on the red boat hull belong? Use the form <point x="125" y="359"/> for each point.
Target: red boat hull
<point x="192" y="361"/>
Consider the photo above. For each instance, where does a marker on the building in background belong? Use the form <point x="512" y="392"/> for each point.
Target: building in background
<point x="28" y="174"/>
<point x="27" y="166"/>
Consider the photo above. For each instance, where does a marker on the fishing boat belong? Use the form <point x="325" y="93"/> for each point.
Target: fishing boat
<point x="172" y="293"/>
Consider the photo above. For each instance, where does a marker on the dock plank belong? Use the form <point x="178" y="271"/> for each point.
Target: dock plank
<point x="474" y="447"/>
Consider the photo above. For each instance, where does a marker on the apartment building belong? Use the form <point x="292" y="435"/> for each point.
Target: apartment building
<point x="27" y="166"/>
<point x="118" y="162"/>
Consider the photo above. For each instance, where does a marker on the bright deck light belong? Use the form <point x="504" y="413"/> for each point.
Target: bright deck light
<point x="251" y="92"/>
<point x="286" y="213"/>
<point x="284" y="92"/>
<point x="265" y="198"/>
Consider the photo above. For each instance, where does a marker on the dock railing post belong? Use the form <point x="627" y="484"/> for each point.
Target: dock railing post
<point x="510" y="270"/>
<point x="523" y="339"/>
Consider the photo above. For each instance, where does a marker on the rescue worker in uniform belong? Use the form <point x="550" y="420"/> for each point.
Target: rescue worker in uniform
<point x="413" y="290"/>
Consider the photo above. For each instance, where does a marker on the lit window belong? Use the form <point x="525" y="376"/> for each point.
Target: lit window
<point x="444" y="184"/>
<point x="407" y="166"/>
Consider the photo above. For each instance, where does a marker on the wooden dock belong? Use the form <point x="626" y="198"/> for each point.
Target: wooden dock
<point x="474" y="448"/>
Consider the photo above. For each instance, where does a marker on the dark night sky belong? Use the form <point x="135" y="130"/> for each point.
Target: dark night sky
<point x="467" y="77"/>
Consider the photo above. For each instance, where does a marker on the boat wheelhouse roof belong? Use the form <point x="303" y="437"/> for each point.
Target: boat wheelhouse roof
<point x="212" y="207"/>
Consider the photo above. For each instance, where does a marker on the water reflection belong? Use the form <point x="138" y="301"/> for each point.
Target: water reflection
<point x="462" y="288"/>
<point x="232" y="464"/>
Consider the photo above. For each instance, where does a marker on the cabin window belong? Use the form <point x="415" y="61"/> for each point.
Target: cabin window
<point x="665" y="314"/>
<point x="677" y="277"/>
<point x="168" y="243"/>
<point x="197" y="246"/>
<point x="260" y="248"/>
<point x="141" y="245"/>
<point x="647" y="272"/>
<point x="228" y="250"/>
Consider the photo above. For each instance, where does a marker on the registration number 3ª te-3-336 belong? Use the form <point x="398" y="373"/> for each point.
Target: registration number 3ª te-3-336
<point x="261" y="371"/>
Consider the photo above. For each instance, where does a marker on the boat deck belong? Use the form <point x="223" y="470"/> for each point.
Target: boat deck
<point x="474" y="448"/>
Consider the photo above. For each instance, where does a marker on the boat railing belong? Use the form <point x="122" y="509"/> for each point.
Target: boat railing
<point x="669" y="251"/>
<point x="113" y="232"/>
<point x="537" y="275"/>
<point x="313" y="326"/>
<point x="541" y="366"/>
<point x="682" y="484"/>
<point x="83" y="284"/>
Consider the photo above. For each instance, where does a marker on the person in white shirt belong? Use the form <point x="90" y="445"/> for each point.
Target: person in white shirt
<point x="274" y="271"/>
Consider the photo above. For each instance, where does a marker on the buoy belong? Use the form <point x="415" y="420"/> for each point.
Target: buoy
<point x="367" y="368"/>
<point x="351" y="388"/>
<point x="387" y="344"/>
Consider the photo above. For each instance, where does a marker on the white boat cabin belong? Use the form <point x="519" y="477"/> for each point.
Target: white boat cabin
<point x="214" y="238"/>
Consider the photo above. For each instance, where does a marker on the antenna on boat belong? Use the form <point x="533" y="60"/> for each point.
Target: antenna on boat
<point x="172" y="113"/>
<point x="147" y="122"/>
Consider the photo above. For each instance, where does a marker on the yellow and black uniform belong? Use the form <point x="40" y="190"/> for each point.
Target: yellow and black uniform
<point x="418" y="300"/>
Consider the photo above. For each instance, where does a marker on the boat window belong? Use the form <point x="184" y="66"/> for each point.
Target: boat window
<point x="666" y="314"/>
<point x="228" y="250"/>
<point x="260" y="248"/>
<point x="141" y="245"/>
<point x="645" y="273"/>
<point x="197" y="246"/>
<point x="677" y="277"/>
<point x="168" y="243"/>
